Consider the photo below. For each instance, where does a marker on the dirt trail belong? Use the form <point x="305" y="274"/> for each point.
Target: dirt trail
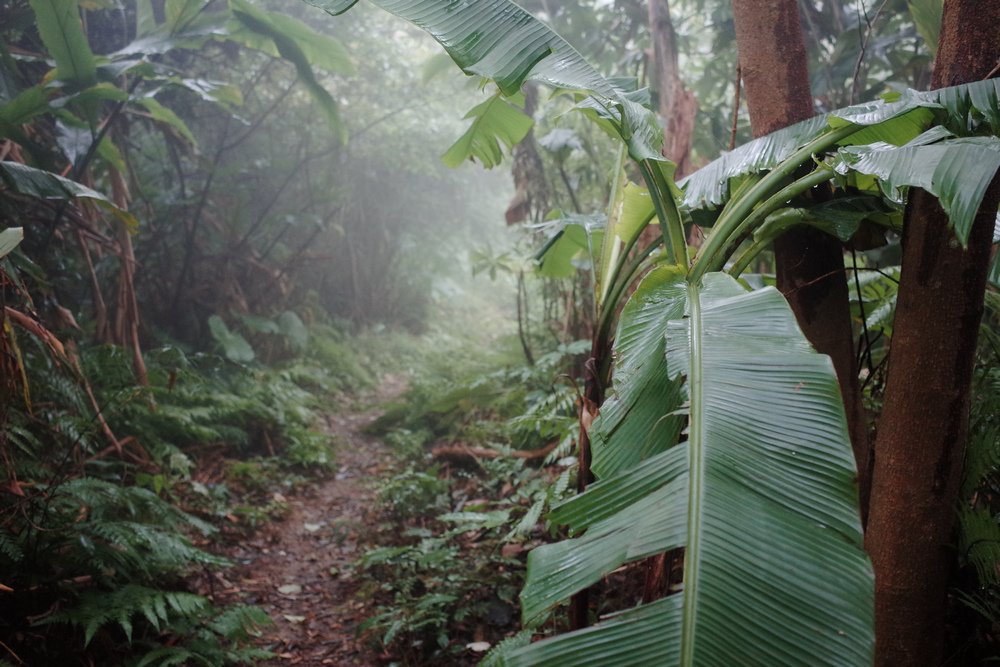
<point x="297" y="569"/>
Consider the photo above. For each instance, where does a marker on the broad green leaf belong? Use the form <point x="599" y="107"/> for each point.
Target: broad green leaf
<point x="956" y="171"/>
<point x="967" y="109"/>
<point x="167" y="117"/>
<point x="258" y="324"/>
<point x="294" y="330"/>
<point x="180" y="13"/>
<point x="91" y="96"/>
<point x="579" y="236"/>
<point x="635" y="420"/>
<point x="9" y="239"/>
<point x="648" y="526"/>
<point x="62" y="33"/>
<point x="145" y="17"/>
<point x="494" y="121"/>
<point x="637" y="212"/>
<point x="191" y="33"/>
<point x="709" y="186"/>
<point x="765" y="507"/>
<point x="212" y="91"/>
<point x="612" y="247"/>
<point x="18" y="111"/>
<point x="647" y="636"/>
<point x="878" y="298"/>
<point x="840" y="217"/>
<point x="607" y="496"/>
<point x="498" y="40"/>
<point x="264" y="23"/>
<point x="926" y="16"/>
<point x="320" y="50"/>
<point x="234" y="346"/>
<point x="970" y="108"/>
<point x="46" y="185"/>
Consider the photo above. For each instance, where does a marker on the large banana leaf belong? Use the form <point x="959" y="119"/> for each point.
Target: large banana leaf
<point x="500" y="41"/>
<point x="635" y="420"/>
<point x="494" y="121"/>
<point x="956" y="171"/>
<point x="966" y="110"/>
<point x="761" y="496"/>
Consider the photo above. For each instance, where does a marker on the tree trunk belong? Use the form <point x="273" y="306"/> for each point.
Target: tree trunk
<point x="921" y="436"/>
<point x="678" y="105"/>
<point x="809" y="263"/>
<point x="531" y="196"/>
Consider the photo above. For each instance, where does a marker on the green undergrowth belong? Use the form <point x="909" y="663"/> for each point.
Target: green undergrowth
<point x="975" y="598"/>
<point x="454" y="528"/>
<point x="116" y="493"/>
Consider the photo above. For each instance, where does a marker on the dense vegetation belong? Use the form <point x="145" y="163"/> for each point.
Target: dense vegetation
<point x="223" y="222"/>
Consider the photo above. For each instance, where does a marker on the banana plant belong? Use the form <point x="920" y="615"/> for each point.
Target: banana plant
<point x="723" y="433"/>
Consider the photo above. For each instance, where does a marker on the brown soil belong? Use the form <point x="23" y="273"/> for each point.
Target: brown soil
<point x="298" y="569"/>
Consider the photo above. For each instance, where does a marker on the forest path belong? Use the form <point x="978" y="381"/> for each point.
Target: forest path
<point x="298" y="569"/>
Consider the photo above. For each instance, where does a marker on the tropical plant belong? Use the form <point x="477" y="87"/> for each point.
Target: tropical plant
<point x="759" y="492"/>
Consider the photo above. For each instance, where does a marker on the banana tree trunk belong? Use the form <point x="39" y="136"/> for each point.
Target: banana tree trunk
<point x="810" y="264"/>
<point x="921" y="436"/>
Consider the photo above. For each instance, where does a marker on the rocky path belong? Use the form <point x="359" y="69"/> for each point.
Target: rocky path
<point x="298" y="569"/>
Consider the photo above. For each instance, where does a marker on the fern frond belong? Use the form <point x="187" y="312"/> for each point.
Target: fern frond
<point x="97" y="609"/>
<point x="10" y="547"/>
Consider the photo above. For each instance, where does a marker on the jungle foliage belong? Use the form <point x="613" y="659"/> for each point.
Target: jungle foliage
<point x="722" y="421"/>
<point x="196" y="218"/>
<point x="180" y="292"/>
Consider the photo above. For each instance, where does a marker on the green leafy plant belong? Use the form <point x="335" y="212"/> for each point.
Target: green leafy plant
<point x="763" y="450"/>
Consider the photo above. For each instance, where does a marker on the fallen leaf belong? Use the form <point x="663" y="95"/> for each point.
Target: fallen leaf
<point x="290" y="589"/>
<point x="478" y="647"/>
<point x="312" y="527"/>
<point x="294" y="619"/>
<point x="511" y="550"/>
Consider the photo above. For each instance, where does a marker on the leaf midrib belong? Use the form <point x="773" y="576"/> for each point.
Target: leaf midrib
<point x="696" y="462"/>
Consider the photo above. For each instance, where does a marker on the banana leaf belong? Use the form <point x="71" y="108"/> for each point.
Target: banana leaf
<point x="498" y="40"/>
<point x="966" y="110"/>
<point x="761" y="497"/>
<point x="494" y="122"/>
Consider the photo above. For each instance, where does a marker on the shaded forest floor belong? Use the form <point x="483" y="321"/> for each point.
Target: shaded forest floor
<point x="298" y="569"/>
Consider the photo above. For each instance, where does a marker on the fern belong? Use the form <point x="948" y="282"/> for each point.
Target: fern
<point x="97" y="609"/>
<point x="10" y="548"/>
<point x="979" y="517"/>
